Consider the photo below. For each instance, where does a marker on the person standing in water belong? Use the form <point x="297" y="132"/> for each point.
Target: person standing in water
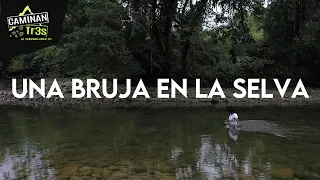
<point x="233" y="124"/>
<point x="233" y="120"/>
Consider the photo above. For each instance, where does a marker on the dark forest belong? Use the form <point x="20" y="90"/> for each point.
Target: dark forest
<point x="207" y="39"/>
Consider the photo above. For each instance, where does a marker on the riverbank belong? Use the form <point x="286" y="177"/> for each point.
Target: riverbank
<point x="6" y="98"/>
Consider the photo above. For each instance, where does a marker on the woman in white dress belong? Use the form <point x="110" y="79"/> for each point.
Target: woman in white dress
<point x="233" y="120"/>
<point x="233" y="124"/>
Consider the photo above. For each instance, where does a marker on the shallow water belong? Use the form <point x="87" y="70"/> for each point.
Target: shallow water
<point x="158" y="144"/>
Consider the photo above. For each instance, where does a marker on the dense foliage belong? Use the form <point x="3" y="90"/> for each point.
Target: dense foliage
<point x="223" y="39"/>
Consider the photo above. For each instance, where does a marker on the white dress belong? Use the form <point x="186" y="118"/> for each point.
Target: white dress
<point x="233" y="119"/>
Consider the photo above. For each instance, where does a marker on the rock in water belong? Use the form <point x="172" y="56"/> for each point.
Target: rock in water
<point x="86" y="170"/>
<point x="263" y="126"/>
<point x="282" y="173"/>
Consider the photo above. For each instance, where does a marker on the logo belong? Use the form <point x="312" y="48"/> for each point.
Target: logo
<point x="28" y="26"/>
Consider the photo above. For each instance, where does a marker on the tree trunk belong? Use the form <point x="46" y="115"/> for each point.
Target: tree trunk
<point x="196" y="14"/>
<point x="169" y="13"/>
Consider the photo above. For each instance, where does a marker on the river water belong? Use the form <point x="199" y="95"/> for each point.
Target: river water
<point x="93" y="143"/>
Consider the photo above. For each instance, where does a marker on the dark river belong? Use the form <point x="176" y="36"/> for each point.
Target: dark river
<point x="152" y="144"/>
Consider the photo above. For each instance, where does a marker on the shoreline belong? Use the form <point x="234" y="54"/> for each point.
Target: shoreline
<point x="6" y="98"/>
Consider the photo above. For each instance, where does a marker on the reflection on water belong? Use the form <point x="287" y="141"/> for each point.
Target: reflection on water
<point x="156" y="144"/>
<point x="175" y="153"/>
<point x="215" y="161"/>
<point x="28" y="163"/>
<point x="233" y="133"/>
